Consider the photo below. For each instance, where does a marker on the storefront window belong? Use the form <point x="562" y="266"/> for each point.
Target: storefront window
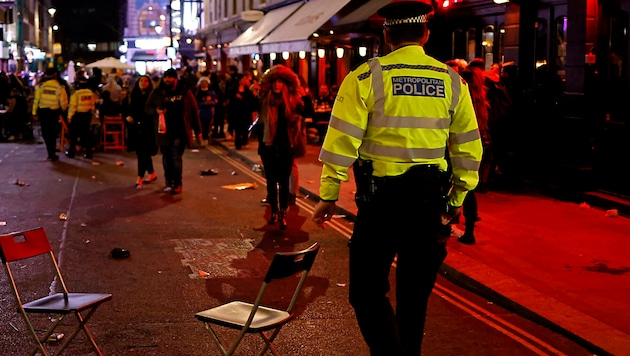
<point x="561" y="48"/>
<point x="488" y="45"/>
<point x="471" y="44"/>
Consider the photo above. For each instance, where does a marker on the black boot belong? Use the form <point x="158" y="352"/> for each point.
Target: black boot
<point x="282" y="218"/>
<point x="273" y="219"/>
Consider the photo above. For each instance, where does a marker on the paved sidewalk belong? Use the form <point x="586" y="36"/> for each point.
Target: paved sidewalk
<point x="562" y="264"/>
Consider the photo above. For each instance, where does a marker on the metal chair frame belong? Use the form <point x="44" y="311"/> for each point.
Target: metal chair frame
<point x="27" y="245"/>
<point x="254" y="317"/>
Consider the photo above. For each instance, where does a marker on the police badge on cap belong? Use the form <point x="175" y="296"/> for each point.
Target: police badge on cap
<point x="405" y="13"/>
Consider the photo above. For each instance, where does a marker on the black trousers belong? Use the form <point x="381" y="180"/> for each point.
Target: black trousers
<point x="49" y="122"/>
<point x="81" y="128"/>
<point x="403" y="220"/>
<point x="277" y="162"/>
<point x="173" y="162"/>
<point x="145" y="161"/>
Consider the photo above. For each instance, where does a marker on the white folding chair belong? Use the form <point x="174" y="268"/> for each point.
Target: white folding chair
<point x="29" y="252"/>
<point x="255" y="318"/>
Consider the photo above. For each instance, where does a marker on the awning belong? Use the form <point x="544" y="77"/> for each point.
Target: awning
<point x="147" y="56"/>
<point x="247" y="42"/>
<point x="294" y="33"/>
<point x="363" y="13"/>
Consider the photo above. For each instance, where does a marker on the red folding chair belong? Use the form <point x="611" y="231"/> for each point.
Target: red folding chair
<point x="30" y="254"/>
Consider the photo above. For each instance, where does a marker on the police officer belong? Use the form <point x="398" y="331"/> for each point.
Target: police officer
<point x="394" y="118"/>
<point x="51" y="99"/>
<point x="82" y="103"/>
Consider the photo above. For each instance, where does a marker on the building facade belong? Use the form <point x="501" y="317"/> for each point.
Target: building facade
<point x="26" y="35"/>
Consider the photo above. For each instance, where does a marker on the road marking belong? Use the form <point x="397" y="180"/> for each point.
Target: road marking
<point x="496" y="322"/>
<point x="339" y="227"/>
<point x="510" y="330"/>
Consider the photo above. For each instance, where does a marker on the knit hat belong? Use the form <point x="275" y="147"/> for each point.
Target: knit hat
<point x="171" y="73"/>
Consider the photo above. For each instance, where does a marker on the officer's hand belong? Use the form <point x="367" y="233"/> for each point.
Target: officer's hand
<point x="129" y="119"/>
<point x="450" y="215"/>
<point x="324" y="211"/>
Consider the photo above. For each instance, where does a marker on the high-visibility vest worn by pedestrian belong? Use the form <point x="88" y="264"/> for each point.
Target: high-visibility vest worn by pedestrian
<point x="50" y="95"/>
<point x="401" y="110"/>
<point x="82" y="100"/>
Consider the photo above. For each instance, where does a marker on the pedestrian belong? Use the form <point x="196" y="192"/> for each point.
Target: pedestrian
<point x="242" y="108"/>
<point x="394" y="119"/>
<point x="51" y="99"/>
<point x="175" y="107"/>
<point x="142" y="129"/>
<point x="308" y="114"/>
<point x="217" y="84"/>
<point x="475" y="79"/>
<point x="82" y="105"/>
<point x="206" y="100"/>
<point x="281" y="110"/>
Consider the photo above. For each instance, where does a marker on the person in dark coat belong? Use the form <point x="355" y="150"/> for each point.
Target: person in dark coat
<point x="242" y="108"/>
<point x="142" y="129"/>
<point x="175" y="107"/>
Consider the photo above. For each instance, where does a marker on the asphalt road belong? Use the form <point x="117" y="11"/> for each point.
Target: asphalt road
<point x="204" y="247"/>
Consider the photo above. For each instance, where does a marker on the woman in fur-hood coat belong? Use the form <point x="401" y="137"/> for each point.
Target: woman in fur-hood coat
<point x="281" y="108"/>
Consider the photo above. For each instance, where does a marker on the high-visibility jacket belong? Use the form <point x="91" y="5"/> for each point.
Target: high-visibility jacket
<point x="82" y="100"/>
<point x="401" y="110"/>
<point x="50" y="95"/>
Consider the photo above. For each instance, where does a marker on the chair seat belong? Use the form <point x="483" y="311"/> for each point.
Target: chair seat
<point x="57" y="304"/>
<point x="235" y="314"/>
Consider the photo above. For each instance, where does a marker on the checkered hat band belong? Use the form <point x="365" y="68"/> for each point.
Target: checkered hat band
<point x="407" y="21"/>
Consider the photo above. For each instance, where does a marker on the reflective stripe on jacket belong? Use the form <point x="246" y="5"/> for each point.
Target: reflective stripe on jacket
<point x="50" y="95"/>
<point x="400" y="110"/>
<point x="82" y="100"/>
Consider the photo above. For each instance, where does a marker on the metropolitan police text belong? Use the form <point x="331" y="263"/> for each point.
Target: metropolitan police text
<point x="418" y="86"/>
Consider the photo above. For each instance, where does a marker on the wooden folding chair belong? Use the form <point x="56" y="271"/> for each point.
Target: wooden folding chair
<point x="255" y="318"/>
<point x="64" y="136"/>
<point x="32" y="249"/>
<point x="113" y="133"/>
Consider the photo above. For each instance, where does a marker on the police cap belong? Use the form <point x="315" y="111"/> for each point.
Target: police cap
<point x="405" y="13"/>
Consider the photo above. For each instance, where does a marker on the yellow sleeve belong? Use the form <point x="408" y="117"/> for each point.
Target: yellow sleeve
<point x="74" y="102"/>
<point x="38" y="96"/>
<point x="348" y="122"/>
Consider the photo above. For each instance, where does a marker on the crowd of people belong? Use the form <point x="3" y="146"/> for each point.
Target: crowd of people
<point x="178" y="109"/>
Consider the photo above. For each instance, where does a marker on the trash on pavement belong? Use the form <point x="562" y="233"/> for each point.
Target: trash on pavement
<point x="56" y="337"/>
<point x="63" y="216"/>
<point x="234" y="173"/>
<point x="21" y="183"/>
<point x="94" y="163"/>
<point x="14" y="327"/>
<point x="341" y="284"/>
<point x="120" y="163"/>
<point x="210" y="172"/>
<point x="3" y="223"/>
<point x="194" y="150"/>
<point x="118" y="252"/>
<point x="584" y="205"/>
<point x="612" y="213"/>
<point x="241" y="186"/>
<point x="203" y="273"/>
<point x="256" y="168"/>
